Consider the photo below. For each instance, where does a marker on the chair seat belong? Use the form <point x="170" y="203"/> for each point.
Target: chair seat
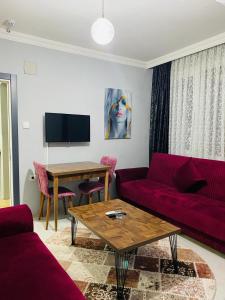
<point x="91" y="187"/>
<point x="62" y="192"/>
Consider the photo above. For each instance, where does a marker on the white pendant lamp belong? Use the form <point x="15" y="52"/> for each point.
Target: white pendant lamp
<point x="102" y="30"/>
<point x="221" y="1"/>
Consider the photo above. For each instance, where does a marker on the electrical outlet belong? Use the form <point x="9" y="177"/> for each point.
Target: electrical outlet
<point x="32" y="177"/>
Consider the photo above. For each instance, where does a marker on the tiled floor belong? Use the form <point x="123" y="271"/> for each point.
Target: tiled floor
<point x="215" y="260"/>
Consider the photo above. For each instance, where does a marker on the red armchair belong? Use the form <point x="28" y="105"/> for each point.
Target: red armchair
<point x="28" y="270"/>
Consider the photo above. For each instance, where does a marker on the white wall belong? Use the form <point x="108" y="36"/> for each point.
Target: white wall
<point x="73" y="84"/>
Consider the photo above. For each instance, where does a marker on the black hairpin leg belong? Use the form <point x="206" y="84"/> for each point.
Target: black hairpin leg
<point x="121" y="263"/>
<point x="173" y="247"/>
<point x="73" y="230"/>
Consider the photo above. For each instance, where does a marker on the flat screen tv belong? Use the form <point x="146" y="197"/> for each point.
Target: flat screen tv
<point x="66" y="128"/>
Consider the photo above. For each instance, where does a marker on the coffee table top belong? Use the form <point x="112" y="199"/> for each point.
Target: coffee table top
<point x="135" y="229"/>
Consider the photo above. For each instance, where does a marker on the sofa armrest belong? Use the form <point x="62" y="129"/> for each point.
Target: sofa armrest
<point x="131" y="174"/>
<point x="124" y="175"/>
<point x="15" y="220"/>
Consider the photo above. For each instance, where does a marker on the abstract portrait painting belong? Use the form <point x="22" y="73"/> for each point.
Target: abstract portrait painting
<point x="118" y="114"/>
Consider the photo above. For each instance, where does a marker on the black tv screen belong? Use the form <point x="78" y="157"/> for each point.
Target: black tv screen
<point x="66" y="128"/>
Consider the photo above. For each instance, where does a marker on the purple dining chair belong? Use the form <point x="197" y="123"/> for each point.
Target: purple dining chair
<point x="90" y="187"/>
<point x="47" y="192"/>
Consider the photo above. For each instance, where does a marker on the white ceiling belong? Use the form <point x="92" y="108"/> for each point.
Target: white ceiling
<point x="145" y="29"/>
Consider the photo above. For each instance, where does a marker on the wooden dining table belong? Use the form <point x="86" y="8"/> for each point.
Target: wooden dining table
<point x="67" y="172"/>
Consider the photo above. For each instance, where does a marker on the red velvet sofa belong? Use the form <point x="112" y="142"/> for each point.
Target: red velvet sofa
<point x="27" y="269"/>
<point x="200" y="214"/>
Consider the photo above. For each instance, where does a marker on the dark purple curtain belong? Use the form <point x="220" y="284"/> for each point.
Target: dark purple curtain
<point x="160" y="107"/>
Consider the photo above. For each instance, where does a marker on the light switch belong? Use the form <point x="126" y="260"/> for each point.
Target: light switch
<point x="26" y="125"/>
<point x="30" y="68"/>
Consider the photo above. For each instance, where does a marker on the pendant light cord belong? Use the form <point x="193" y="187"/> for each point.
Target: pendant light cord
<point x="103" y="8"/>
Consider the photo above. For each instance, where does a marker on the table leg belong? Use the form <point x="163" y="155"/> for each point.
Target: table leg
<point x="173" y="247"/>
<point x="121" y="264"/>
<point x="135" y="252"/>
<point x="106" y="185"/>
<point x="42" y="199"/>
<point x="55" y="191"/>
<point x="73" y="230"/>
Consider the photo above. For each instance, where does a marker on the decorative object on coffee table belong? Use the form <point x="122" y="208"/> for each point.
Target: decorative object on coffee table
<point x="124" y="235"/>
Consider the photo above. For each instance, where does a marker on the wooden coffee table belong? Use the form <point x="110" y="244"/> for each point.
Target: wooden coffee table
<point x="135" y="229"/>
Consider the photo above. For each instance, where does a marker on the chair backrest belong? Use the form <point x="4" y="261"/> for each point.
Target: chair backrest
<point x="42" y="177"/>
<point x="109" y="161"/>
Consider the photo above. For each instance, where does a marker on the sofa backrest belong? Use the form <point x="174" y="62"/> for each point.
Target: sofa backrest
<point x="164" y="166"/>
<point x="214" y="173"/>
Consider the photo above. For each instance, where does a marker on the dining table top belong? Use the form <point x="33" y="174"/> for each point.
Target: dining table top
<point x="75" y="168"/>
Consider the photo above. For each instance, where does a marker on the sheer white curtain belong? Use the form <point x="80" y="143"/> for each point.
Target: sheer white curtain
<point x="197" y="105"/>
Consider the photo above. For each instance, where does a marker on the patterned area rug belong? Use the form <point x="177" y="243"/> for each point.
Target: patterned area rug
<point x="150" y="275"/>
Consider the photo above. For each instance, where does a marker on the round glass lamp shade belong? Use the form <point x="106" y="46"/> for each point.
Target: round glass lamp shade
<point x="102" y="31"/>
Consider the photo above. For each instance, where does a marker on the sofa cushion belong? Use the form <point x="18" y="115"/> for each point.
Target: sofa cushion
<point x="163" y="167"/>
<point x="143" y="190"/>
<point x="214" y="173"/>
<point x="30" y="271"/>
<point x="193" y="210"/>
<point x="188" y="178"/>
